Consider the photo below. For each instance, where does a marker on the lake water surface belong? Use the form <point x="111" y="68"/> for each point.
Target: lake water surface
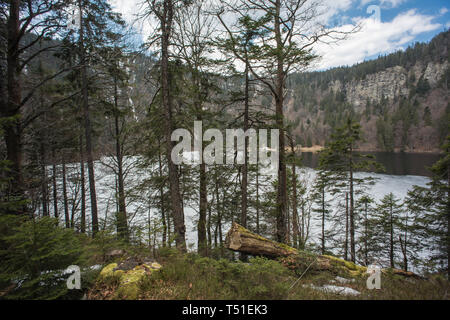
<point x="403" y="164"/>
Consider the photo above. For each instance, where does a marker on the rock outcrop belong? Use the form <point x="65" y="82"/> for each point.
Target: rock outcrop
<point x="128" y="273"/>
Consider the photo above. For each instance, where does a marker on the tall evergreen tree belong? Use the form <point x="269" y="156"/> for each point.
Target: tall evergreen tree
<point x="340" y="158"/>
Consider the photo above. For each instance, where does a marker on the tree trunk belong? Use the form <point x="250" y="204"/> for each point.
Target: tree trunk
<point x="294" y="202"/>
<point x="244" y="185"/>
<point x="161" y="197"/>
<point x="391" y="244"/>
<point x="201" y="227"/>
<point x="242" y="240"/>
<point x="55" y="190"/>
<point x="83" y="187"/>
<point x="366" y="246"/>
<point x="176" y="201"/>
<point x="122" y="223"/>
<point x="11" y="111"/>
<point x="352" y="214"/>
<point x="257" y="198"/>
<point x="44" y="183"/>
<point x="279" y="101"/>
<point x="323" y="220"/>
<point x="66" y="203"/>
<point x="88" y="129"/>
<point x="346" y="227"/>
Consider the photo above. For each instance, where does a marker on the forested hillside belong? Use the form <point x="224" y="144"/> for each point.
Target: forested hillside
<point x="93" y="126"/>
<point x="401" y="99"/>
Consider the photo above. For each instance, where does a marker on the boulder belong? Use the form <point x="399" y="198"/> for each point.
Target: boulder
<point x="128" y="273"/>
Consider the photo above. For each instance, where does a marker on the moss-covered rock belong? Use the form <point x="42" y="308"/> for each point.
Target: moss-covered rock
<point x="108" y="271"/>
<point x="128" y="280"/>
<point x="129" y="283"/>
<point x="347" y="266"/>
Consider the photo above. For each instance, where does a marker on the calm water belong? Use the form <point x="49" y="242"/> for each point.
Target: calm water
<point x="395" y="163"/>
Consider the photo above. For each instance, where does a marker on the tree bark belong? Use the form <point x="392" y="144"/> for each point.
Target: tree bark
<point x="66" y="203"/>
<point x="11" y="110"/>
<point x="279" y="101"/>
<point x="352" y="214"/>
<point x="83" y="188"/>
<point x="88" y="129"/>
<point x="161" y="197"/>
<point x="391" y="242"/>
<point x="44" y="183"/>
<point x="201" y="227"/>
<point x="176" y="201"/>
<point x="241" y="239"/>
<point x="346" y="227"/>
<point x="294" y="198"/>
<point x="122" y="223"/>
<point x="55" y="190"/>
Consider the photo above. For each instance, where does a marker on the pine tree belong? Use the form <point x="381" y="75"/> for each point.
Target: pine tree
<point x="367" y="230"/>
<point x="340" y="158"/>
<point x="389" y="212"/>
<point x="433" y="202"/>
<point x="271" y="66"/>
<point x="321" y="189"/>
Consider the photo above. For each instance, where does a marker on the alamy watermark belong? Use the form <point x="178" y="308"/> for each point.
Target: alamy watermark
<point x="74" y="280"/>
<point x="230" y="150"/>
<point x="374" y="280"/>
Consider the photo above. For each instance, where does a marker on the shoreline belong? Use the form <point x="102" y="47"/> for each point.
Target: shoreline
<point x="317" y="149"/>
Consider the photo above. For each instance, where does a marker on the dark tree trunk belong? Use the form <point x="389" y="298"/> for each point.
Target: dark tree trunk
<point x="352" y="213"/>
<point x="66" y="203"/>
<point x="242" y="240"/>
<point x="257" y="198"/>
<point x="294" y="199"/>
<point x="161" y="197"/>
<point x="122" y="223"/>
<point x="55" y="187"/>
<point x="346" y="227"/>
<point x="176" y="201"/>
<point x="279" y="101"/>
<point x="323" y="220"/>
<point x="366" y="246"/>
<point x="201" y="227"/>
<point x="88" y="129"/>
<point x="11" y="110"/>
<point x="244" y="185"/>
<point x="391" y="244"/>
<point x="44" y="183"/>
<point x="83" y="188"/>
<point x="208" y="226"/>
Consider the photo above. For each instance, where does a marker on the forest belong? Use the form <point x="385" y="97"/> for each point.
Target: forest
<point x="87" y="111"/>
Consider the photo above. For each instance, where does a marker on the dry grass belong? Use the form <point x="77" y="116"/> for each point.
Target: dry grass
<point x="189" y="277"/>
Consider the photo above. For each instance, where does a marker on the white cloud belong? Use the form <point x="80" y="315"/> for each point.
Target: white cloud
<point x="443" y="11"/>
<point x="384" y="3"/>
<point x="376" y="37"/>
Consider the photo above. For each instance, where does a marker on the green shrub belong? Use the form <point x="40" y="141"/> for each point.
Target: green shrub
<point x="34" y="253"/>
<point x="193" y="277"/>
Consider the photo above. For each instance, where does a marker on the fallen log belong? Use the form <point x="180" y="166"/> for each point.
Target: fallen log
<point x="240" y="239"/>
<point x="243" y="240"/>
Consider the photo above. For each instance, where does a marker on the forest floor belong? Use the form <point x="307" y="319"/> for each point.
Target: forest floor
<point x="190" y="277"/>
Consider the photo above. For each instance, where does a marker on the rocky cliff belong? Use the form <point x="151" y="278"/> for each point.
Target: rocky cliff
<point x="401" y="100"/>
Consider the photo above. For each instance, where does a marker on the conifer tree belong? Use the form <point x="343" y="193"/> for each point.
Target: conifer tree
<point x="389" y="212"/>
<point x="340" y="158"/>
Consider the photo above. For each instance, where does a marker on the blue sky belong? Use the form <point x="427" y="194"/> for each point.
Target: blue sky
<point x="399" y="24"/>
<point x="438" y="12"/>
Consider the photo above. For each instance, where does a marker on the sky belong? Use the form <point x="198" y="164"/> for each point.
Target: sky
<point x="386" y="26"/>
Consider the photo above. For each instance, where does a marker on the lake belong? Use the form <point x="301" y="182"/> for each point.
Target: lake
<point x="395" y="163"/>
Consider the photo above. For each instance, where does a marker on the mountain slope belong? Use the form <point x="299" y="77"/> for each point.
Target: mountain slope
<point x="401" y="100"/>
